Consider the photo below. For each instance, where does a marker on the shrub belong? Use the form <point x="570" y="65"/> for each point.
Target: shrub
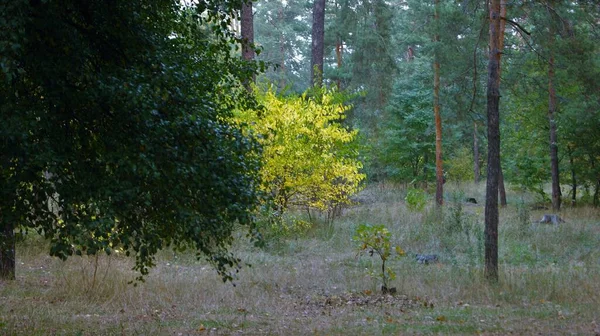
<point x="376" y="240"/>
<point x="416" y="199"/>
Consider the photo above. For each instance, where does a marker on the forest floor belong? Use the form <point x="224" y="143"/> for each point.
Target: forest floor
<point x="315" y="284"/>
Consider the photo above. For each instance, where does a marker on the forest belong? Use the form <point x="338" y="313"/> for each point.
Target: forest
<point x="276" y="167"/>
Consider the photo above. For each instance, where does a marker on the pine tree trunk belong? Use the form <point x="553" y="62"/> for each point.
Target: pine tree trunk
<point x="501" y="187"/>
<point x="318" y="40"/>
<point x="573" y="178"/>
<point x="7" y="251"/>
<point x="493" y="167"/>
<point x="339" y="48"/>
<point x="425" y="172"/>
<point x="476" y="167"/>
<point x="596" y="199"/>
<point x="439" y="173"/>
<point x="553" y="138"/>
<point x="247" y="28"/>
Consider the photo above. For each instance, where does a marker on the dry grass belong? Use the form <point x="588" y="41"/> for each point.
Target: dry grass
<point x="314" y="284"/>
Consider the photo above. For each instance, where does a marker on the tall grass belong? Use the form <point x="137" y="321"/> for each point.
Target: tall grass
<point x="307" y="284"/>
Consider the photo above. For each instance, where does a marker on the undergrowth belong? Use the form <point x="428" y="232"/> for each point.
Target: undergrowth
<point x="306" y="283"/>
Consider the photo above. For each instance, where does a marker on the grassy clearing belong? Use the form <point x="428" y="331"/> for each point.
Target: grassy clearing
<point x="315" y="284"/>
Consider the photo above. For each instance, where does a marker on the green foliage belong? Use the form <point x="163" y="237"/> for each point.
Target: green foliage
<point x="455" y="221"/>
<point x="309" y="159"/>
<point x="408" y="149"/>
<point x="275" y="226"/>
<point x="523" y="217"/>
<point x="376" y="240"/>
<point x="113" y="130"/>
<point x="416" y="199"/>
<point x="283" y="30"/>
<point x="460" y="166"/>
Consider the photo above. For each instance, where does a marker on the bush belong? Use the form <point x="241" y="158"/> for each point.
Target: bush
<point x="416" y="199"/>
<point x="309" y="159"/>
<point x="376" y="240"/>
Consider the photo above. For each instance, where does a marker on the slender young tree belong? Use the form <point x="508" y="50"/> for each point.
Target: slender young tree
<point x="501" y="188"/>
<point x="7" y="250"/>
<point x="493" y="167"/>
<point x="476" y="167"/>
<point x="339" y="50"/>
<point x="552" y="109"/>
<point x="318" y="41"/>
<point x="247" y="28"/>
<point x="439" y="173"/>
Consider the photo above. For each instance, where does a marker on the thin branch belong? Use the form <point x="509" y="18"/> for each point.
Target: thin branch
<point x="515" y="24"/>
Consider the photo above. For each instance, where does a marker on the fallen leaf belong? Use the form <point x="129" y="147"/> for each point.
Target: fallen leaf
<point x="201" y="328"/>
<point x="441" y="318"/>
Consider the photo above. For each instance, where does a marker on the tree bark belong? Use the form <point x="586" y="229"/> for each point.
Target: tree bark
<point x="439" y="173"/>
<point x="596" y="199"/>
<point x="476" y="167"/>
<point x="339" y="48"/>
<point x="501" y="188"/>
<point x="493" y="167"/>
<point x="552" y="106"/>
<point x="425" y="172"/>
<point x="7" y="251"/>
<point x="318" y="40"/>
<point x="573" y="177"/>
<point x="247" y="28"/>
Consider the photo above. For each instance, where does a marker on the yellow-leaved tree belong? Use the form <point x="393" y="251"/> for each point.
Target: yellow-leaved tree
<point x="310" y="160"/>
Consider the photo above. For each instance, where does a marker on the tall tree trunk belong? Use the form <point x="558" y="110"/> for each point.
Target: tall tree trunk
<point x="7" y="250"/>
<point x="439" y="173"/>
<point x="501" y="188"/>
<point x="573" y="177"/>
<point x="476" y="167"/>
<point x="552" y="105"/>
<point x="493" y="167"/>
<point x="596" y="199"/>
<point x="339" y="49"/>
<point x="425" y="172"/>
<point x="247" y="28"/>
<point x="318" y="41"/>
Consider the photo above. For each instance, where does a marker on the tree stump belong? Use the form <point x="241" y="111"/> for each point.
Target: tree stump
<point x="426" y="258"/>
<point x="551" y="219"/>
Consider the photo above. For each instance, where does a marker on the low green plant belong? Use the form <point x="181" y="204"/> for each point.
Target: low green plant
<point x="274" y="225"/>
<point x="523" y="217"/>
<point x="416" y="199"/>
<point x="460" y="165"/>
<point x="376" y="240"/>
<point x="456" y="218"/>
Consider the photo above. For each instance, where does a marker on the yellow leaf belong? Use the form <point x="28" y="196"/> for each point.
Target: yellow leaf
<point x="441" y="318"/>
<point x="201" y="328"/>
<point x="400" y="251"/>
